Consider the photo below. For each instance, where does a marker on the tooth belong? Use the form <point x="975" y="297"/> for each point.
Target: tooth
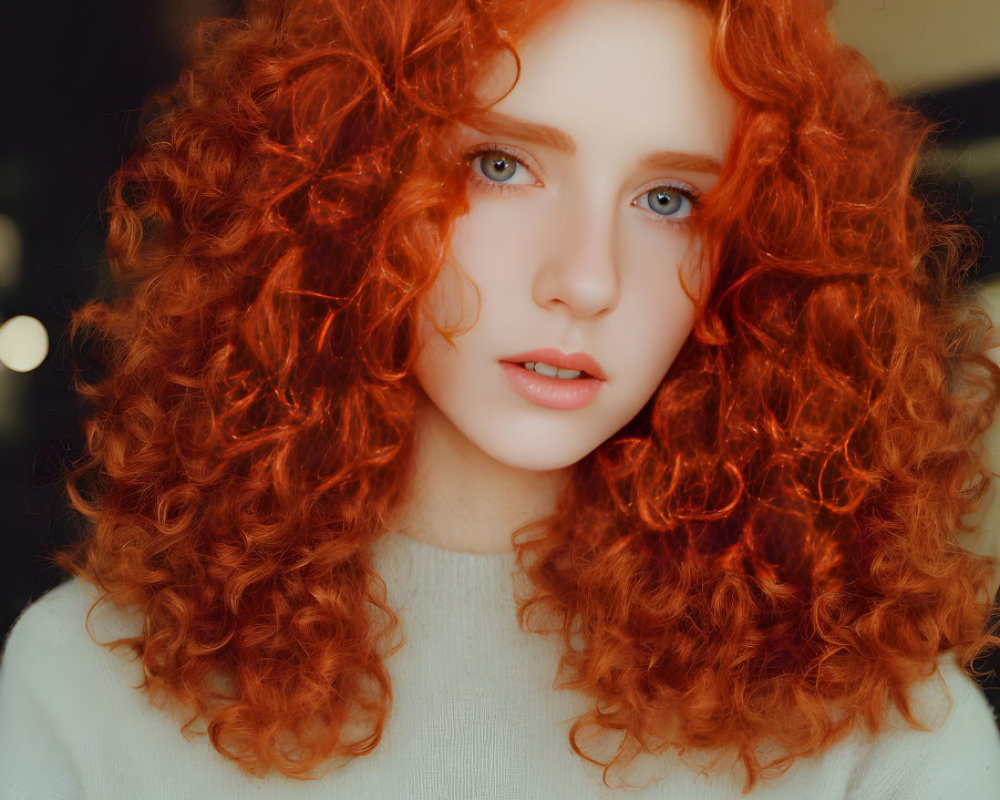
<point x="529" y="365"/>
<point x="568" y="373"/>
<point x="546" y="369"/>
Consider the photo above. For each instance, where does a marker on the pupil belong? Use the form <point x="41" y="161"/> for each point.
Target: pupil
<point x="498" y="168"/>
<point x="665" y="201"/>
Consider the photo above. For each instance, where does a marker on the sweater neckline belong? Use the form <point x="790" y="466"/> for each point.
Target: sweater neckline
<point x="418" y="573"/>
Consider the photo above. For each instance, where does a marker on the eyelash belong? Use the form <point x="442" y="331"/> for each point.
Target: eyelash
<point x="495" y="148"/>
<point x="689" y="192"/>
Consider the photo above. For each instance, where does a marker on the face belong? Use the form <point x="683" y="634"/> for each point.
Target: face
<point x="582" y="182"/>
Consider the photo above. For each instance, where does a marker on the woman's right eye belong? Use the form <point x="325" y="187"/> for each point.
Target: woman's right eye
<point x="499" y="167"/>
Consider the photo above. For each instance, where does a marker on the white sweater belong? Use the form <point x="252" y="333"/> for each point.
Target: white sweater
<point x="475" y="716"/>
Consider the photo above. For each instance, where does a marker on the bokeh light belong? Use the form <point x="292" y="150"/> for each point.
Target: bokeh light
<point x="24" y="343"/>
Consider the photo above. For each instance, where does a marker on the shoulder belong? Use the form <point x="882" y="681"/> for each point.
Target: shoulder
<point x="50" y="656"/>
<point x="45" y="626"/>
<point x="73" y="722"/>
<point x="957" y="755"/>
<point x="56" y="623"/>
<point x="54" y="651"/>
<point x="52" y="675"/>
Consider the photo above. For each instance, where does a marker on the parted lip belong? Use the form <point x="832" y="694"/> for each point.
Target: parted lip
<point x="557" y="358"/>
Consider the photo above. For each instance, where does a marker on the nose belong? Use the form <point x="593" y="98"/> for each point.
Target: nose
<point x="580" y="271"/>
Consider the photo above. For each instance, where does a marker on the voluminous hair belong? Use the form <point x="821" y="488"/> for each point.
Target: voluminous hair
<point x="768" y="552"/>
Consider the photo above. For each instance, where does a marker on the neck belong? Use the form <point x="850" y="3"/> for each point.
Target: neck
<point x="460" y="498"/>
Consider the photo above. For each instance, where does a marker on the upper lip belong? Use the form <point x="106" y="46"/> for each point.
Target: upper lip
<point x="561" y="360"/>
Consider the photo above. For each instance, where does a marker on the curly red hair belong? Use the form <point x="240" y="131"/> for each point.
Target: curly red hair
<point x="769" y="551"/>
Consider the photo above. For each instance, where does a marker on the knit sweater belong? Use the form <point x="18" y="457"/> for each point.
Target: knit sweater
<point x="474" y="717"/>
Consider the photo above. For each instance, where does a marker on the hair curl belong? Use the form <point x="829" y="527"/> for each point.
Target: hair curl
<point x="768" y="551"/>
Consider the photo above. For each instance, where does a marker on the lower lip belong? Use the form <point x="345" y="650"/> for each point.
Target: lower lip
<point x="564" y="394"/>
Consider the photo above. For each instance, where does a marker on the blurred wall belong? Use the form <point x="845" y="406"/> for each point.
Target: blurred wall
<point x="922" y="45"/>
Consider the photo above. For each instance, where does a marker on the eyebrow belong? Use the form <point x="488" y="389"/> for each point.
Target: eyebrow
<point x="494" y="122"/>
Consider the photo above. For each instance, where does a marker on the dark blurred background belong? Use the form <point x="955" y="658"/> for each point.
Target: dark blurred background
<point x="73" y="78"/>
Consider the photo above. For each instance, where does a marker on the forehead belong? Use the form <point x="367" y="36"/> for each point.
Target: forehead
<point x="635" y="70"/>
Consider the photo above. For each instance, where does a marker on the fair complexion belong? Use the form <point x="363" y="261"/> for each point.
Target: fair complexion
<point x="582" y="183"/>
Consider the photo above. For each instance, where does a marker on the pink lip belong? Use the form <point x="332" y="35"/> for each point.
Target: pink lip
<point x="558" y="393"/>
<point x="565" y="395"/>
<point x="557" y="358"/>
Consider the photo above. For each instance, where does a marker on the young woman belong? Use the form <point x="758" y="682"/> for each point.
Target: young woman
<point x="521" y="400"/>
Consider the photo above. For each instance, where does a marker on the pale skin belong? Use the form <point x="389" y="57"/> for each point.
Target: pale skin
<point x="576" y="238"/>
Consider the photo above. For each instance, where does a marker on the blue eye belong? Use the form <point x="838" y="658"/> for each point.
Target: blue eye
<point x="669" y="201"/>
<point x="499" y="169"/>
<point x="497" y="166"/>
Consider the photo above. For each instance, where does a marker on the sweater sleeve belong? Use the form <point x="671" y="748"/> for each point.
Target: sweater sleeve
<point x="35" y="760"/>
<point x="959" y="757"/>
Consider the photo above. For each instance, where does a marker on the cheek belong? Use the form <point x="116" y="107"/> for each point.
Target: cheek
<point x="662" y="339"/>
<point x="451" y="304"/>
<point x="500" y="240"/>
<point x="659" y="317"/>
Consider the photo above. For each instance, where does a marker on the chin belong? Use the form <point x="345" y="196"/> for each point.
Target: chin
<point x="543" y="453"/>
<point x="539" y="462"/>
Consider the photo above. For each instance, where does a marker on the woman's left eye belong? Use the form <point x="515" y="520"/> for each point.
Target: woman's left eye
<point x="668" y="201"/>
